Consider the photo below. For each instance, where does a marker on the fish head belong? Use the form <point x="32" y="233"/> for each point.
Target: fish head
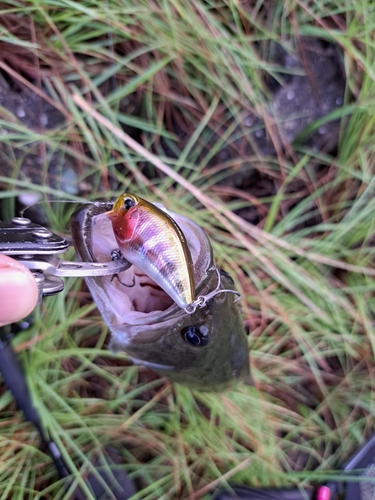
<point x="206" y="350"/>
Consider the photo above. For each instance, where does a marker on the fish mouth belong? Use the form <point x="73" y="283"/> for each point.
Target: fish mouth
<point x="131" y="297"/>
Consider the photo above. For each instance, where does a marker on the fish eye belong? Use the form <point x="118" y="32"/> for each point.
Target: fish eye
<point x="195" y="336"/>
<point x="224" y="273"/>
<point x="128" y="202"/>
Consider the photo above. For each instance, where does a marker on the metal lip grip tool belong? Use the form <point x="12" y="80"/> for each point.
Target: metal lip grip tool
<point x="36" y="248"/>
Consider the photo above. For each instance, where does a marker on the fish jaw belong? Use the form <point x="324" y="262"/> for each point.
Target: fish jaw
<point x="149" y="327"/>
<point x="216" y="366"/>
<point x="151" y="240"/>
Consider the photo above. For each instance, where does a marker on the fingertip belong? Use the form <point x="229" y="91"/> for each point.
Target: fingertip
<point x="18" y="291"/>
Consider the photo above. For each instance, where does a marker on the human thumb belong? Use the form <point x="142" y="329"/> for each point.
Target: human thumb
<point x="18" y="291"/>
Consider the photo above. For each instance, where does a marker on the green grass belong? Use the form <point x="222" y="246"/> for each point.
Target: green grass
<point x="187" y="74"/>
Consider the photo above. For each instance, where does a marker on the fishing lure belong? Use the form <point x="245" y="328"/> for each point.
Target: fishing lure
<point x="152" y="240"/>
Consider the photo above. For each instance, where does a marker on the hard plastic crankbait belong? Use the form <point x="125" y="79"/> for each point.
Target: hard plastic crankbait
<point x="151" y="240"/>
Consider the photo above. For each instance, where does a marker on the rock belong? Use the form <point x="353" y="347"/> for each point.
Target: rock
<point x="304" y="98"/>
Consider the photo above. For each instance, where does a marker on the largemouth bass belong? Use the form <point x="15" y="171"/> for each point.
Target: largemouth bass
<point x="205" y="349"/>
<point x="151" y="240"/>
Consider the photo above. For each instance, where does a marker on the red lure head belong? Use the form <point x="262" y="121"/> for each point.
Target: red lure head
<point x="124" y="217"/>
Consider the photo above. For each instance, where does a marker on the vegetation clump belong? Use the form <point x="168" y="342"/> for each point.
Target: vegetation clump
<point x="185" y="103"/>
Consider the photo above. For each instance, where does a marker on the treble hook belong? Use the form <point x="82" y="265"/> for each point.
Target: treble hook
<point x="117" y="255"/>
<point x="122" y="283"/>
<point x="202" y="300"/>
